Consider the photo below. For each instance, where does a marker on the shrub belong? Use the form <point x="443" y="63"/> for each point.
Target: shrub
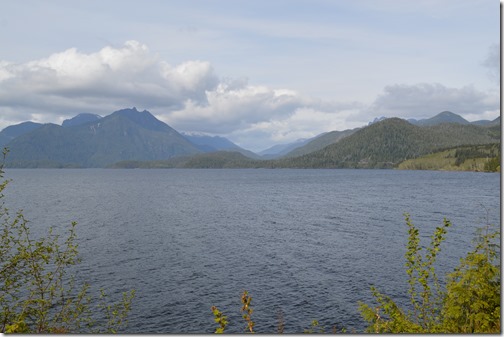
<point x="37" y="294"/>
<point x="470" y="303"/>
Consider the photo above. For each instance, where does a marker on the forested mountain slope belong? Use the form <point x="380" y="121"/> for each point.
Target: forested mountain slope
<point x="389" y="142"/>
<point x="123" y="135"/>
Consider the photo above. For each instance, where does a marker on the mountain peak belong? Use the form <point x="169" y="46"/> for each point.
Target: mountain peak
<point x="442" y="117"/>
<point x="446" y="114"/>
<point x="449" y="117"/>
<point x="377" y="119"/>
<point x="13" y="131"/>
<point x="81" y="118"/>
<point x="126" y="112"/>
<point x="143" y="118"/>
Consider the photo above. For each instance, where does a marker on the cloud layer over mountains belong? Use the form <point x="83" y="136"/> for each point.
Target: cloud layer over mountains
<point x="190" y="96"/>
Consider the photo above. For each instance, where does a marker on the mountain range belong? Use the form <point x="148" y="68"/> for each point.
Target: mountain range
<point x="387" y="143"/>
<point x="123" y="135"/>
<point x="132" y="136"/>
<point x="328" y="138"/>
<point x="216" y="143"/>
<point x="450" y="117"/>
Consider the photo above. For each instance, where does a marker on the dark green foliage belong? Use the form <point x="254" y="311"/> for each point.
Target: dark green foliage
<point x="461" y="158"/>
<point x="320" y="142"/>
<point x="482" y="151"/>
<point x="381" y="145"/>
<point x="493" y="165"/>
<point x="387" y="143"/>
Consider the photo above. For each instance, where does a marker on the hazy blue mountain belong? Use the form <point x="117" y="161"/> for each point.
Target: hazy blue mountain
<point x="129" y="135"/>
<point x="208" y="144"/>
<point x="443" y="117"/>
<point x="450" y="117"/>
<point x="13" y="131"/>
<point x="487" y="122"/>
<point x="126" y="134"/>
<point x="496" y="122"/>
<point x="80" y="119"/>
<point x="280" y="150"/>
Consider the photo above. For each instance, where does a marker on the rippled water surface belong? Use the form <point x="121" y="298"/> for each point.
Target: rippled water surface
<point x="306" y="244"/>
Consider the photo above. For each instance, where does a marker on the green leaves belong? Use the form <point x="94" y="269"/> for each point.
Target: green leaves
<point x="246" y="300"/>
<point x="115" y="314"/>
<point x="314" y="327"/>
<point x="472" y="304"/>
<point x="469" y="304"/>
<point x="219" y="319"/>
<point x="36" y="293"/>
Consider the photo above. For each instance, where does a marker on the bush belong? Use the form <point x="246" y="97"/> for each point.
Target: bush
<point x="469" y="304"/>
<point x="37" y="294"/>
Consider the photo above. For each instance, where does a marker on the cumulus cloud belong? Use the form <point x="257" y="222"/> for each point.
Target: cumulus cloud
<point x="427" y="99"/>
<point x="188" y="96"/>
<point x="305" y="122"/>
<point x="259" y="116"/>
<point x="101" y="82"/>
<point x="191" y="97"/>
<point x="232" y="106"/>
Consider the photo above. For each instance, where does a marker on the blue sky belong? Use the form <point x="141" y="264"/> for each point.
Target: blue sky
<point x="258" y="72"/>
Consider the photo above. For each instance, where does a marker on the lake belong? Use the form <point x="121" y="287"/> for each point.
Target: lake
<point x="305" y="244"/>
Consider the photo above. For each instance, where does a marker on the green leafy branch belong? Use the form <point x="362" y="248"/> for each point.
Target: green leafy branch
<point x="246" y="300"/>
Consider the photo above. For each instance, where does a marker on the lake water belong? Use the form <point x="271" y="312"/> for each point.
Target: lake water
<point x="306" y="244"/>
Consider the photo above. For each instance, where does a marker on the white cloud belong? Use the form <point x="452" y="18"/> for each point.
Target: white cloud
<point x="191" y="97"/>
<point x="427" y="99"/>
<point x="71" y="81"/>
<point x="257" y="117"/>
<point x="188" y="96"/>
<point x="232" y="106"/>
<point x="305" y="122"/>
